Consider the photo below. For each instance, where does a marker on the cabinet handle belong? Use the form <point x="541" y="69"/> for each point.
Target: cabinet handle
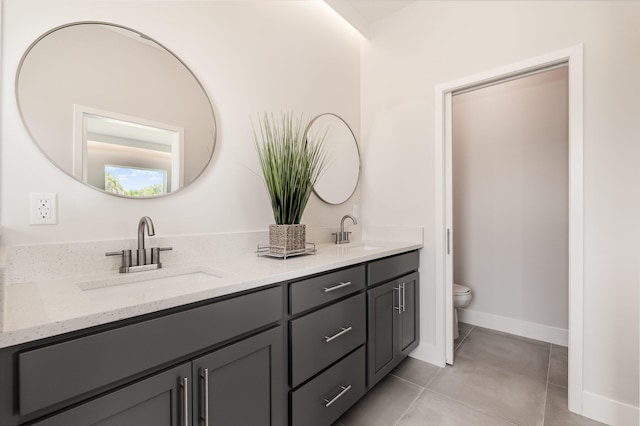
<point x="343" y="390"/>
<point x="344" y="330"/>
<point x="399" y="307"/>
<point x="205" y="379"/>
<point x="185" y="401"/>
<point x="404" y="292"/>
<point x="335" y="287"/>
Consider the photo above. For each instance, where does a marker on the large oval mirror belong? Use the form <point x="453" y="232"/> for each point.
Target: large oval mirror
<point x="339" y="180"/>
<point x="115" y="110"/>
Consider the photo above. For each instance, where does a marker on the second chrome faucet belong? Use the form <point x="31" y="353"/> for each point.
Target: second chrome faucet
<point x="342" y="237"/>
<point x="142" y="263"/>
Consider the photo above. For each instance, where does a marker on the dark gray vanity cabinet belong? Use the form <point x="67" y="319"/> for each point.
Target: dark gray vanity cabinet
<point x="393" y="314"/>
<point x="242" y="384"/>
<point x="327" y="358"/>
<point x="297" y="353"/>
<point x="152" y="367"/>
<point x="160" y="400"/>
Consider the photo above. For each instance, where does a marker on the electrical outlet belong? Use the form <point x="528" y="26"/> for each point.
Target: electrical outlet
<point x="44" y="208"/>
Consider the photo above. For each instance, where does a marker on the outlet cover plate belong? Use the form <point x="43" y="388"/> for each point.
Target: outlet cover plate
<point x="44" y="208"/>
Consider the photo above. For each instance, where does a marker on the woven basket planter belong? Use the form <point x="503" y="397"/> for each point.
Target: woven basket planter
<point x="284" y="239"/>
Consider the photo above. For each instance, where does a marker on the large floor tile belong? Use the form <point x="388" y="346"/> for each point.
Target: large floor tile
<point x="556" y="412"/>
<point x="415" y="371"/>
<point x="383" y="405"/>
<point x="463" y="331"/>
<point x="506" y="351"/>
<point x="434" y="409"/>
<point x="558" y="366"/>
<point x="503" y="393"/>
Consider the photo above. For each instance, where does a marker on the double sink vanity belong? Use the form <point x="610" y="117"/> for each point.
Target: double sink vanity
<point x="240" y="340"/>
<point x="216" y="336"/>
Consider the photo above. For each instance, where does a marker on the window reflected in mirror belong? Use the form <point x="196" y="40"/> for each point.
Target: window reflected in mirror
<point x="127" y="156"/>
<point x="134" y="182"/>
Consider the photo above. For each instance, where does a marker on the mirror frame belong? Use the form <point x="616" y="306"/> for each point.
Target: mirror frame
<point x="355" y="141"/>
<point x="146" y="37"/>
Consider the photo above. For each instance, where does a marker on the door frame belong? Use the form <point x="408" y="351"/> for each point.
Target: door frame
<point x="573" y="57"/>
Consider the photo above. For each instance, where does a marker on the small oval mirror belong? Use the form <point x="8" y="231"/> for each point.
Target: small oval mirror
<point x="339" y="180"/>
<point x="116" y="110"/>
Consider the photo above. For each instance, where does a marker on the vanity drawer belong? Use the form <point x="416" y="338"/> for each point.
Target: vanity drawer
<point x="62" y="371"/>
<point x="392" y="267"/>
<point x="315" y="291"/>
<point x="325" y="398"/>
<point x="322" y="337"/>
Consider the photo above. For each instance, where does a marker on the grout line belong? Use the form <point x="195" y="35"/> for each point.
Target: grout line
<point x="463" y="339"/>
<point x="424" y="389"/>
<point x="409" y="407"/>
<point x="406" y="380"/>
<point x="546" y="389"/>
<point x="433" y="377"/>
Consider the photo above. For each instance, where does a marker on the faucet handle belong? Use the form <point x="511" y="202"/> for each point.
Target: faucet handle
<point x="342" y="237"/>
<point x="155" y="255"/>
<point x="126" y="258"/>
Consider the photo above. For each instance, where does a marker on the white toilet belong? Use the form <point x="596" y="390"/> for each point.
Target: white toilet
<point x="461" y="298"/>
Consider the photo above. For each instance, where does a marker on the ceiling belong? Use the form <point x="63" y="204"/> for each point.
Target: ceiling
<point x="361" y="14"/>
<point x="373" y="10"/>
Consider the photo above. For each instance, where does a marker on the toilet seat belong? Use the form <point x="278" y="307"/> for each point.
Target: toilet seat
<point x="461" y="296"/>
<point x="460" y="290"/>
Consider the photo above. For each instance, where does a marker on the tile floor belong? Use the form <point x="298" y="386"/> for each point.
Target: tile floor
<point x="497" y="379"/>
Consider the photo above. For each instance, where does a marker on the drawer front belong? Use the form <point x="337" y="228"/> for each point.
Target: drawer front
<point x="392" y="267"/>
<point x="315" y="291"/>
<point x="322" y="337"/>
<point x="325" y="398"/>
<point x="66" y="370"/>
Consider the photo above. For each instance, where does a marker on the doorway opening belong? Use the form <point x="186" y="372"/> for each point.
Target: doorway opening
<point x="572" y="59"/>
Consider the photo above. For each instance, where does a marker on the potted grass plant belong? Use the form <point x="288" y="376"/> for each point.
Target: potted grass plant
<point x="291" y="163"/>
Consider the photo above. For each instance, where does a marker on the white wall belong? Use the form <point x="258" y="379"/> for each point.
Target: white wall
<point x="510" y="198"/>
<point x="250" y="57"/>
<point x="430" y="43"/>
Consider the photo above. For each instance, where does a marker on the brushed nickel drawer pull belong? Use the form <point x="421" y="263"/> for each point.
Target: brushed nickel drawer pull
<point x="185" y="401"/>
<point x="205" y="378"/>
<point x="399" y="307"/>
<point x="404" y="292"/>
<point x="335" y="287"/>
<point x="344" y="389"/>
<point x="344" y="330"/>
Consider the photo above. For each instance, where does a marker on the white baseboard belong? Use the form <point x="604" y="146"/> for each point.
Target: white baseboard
<point x="545" y="333"/>
<point x="609" y="411"/>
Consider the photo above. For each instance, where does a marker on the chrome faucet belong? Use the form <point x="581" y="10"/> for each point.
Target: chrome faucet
<point x="342" y="237"/>
<point x="141" y="254"/>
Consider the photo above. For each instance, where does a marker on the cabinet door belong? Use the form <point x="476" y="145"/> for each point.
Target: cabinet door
<point x="408" y="315"/>
<point x="383" y="330"/>
<point x="161" y="400"/>
<point x="241" y="384"/>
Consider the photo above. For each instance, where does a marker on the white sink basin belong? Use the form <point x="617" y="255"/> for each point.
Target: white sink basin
<point x="355" y="249"/>
<point x="125" y="284"/>
<point x="361" y="246"/>
<point x="366" y="247"/>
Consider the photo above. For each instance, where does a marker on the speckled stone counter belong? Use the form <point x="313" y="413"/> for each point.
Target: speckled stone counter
<point x="42" y="307"/>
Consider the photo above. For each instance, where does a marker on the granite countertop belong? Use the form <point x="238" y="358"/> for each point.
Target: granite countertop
<point x="40" y="309"/>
